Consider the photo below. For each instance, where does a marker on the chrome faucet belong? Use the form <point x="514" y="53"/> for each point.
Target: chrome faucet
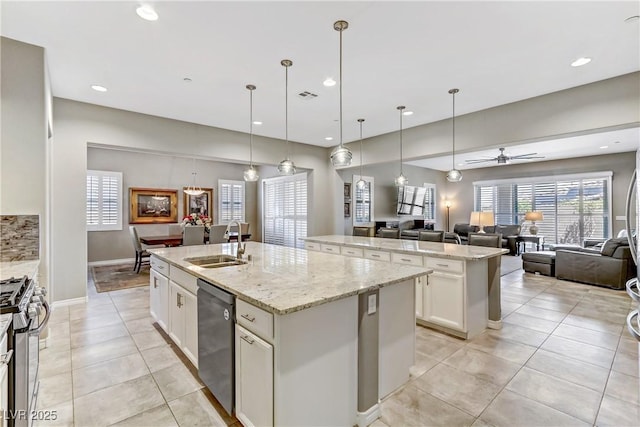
<point x="241" y="247"/>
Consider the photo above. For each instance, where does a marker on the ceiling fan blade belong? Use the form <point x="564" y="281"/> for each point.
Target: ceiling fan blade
<point x="480" y="160"/>
<point x="519" y="156"/>
<point x="528" y="158"/>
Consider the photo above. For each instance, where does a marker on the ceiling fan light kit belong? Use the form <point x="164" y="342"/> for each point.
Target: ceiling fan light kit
<point x="341" y="155"/>
<point x="454" y="175"/>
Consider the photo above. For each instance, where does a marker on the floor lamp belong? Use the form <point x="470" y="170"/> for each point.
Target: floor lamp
<point x="447" y="203"/>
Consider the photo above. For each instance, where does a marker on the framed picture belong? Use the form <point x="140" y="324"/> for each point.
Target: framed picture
<point x="347" y="191"/>
<point x="153" y="206"/>
<point x="347" y="210"/>
<point x="199" y="204"/>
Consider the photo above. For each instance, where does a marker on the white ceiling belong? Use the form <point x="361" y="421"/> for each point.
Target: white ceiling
<point x="395" y="53"/>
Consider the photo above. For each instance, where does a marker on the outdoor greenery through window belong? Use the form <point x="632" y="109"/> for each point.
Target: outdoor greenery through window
<point x="574" y="207"/>
<point x="363" y="201"/>
<point x="104" y="200"/>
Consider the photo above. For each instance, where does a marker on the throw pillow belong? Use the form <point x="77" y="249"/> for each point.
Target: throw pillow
<point x="610" y="246"/>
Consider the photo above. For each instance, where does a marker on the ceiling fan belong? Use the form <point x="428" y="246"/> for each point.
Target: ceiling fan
<point x="503" y="159"/>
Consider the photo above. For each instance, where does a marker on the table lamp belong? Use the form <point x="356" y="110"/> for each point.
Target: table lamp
<point x="533" y="216"/>
<point x="481" y="219"/>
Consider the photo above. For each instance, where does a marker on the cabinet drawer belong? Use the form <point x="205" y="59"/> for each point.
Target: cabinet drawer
<point x="407" y="259"/>
<point x="377" y="255"/>
<point x="255" y="319"/>
<point x="332" y="249"/>
<point x="446" y="265"/>
<point x="355" y="252"/>
<point x="312" y="246"/>
<point x="160" y="266"/>
<point x="184" y="279"/>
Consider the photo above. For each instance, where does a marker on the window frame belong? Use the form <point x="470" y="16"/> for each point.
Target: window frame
<point x="371" y="181"/>
<point x="296" y="217"/>
<point x="232" y="182"/>
<point x="101" y="226"/>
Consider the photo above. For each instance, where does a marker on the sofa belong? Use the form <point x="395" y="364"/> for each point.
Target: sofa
<point x="611" y="266"/>
<point x="510" y="233"/>
<point x="410" y="230"/>
<point x="463" y="230"/>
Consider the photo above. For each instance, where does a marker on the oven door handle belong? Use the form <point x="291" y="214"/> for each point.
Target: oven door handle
<point x="44" y="322"/>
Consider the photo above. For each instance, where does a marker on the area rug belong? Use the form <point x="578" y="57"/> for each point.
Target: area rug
<point x="509" y="264"/>
<point x="120" y="276"/>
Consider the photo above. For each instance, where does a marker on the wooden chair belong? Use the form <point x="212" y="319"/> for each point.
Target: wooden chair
<point x="141" y="253"/>
<point x="431" y="236"/>
<point x="193" y="235"/>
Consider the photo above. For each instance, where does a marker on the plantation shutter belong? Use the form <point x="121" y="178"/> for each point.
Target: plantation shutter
<point x="231" y="201"/>
<point x="285" y="210"/>
<point x="104" y="201"/>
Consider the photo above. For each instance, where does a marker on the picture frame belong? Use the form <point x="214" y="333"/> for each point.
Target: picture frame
<point x="347" y="210"/>
<point x="201" y="204"/>
<point x="347" y="191"/>
<point x="153" y="205"/>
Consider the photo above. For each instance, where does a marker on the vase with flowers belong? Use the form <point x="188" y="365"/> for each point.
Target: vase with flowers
<point x="196" y="219"/>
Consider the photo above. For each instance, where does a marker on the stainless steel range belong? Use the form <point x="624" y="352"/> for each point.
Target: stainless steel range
<point x="22" y="298"/>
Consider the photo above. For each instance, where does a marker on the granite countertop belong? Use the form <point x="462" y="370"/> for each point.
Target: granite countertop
<point x="283" y="280"/>
<point x="16" y="269"/>
<point x="411" y="247"/>
<point x="5" y="322"/>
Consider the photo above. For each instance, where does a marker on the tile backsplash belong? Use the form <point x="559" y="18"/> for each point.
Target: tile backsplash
<point x="19" y="237"/>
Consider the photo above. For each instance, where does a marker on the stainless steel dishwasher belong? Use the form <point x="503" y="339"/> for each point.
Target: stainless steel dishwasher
<point x="216" y="356"/>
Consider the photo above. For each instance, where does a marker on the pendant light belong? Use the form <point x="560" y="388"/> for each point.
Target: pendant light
<point x="454" y="175"/>
<point x="341" y="155"/>
<point x="286" y="167"/>
<point x="251" y="174"/>
<point x="361" y="184"/>
<point x="401" y="180"/>
<point x="193" y="189"/>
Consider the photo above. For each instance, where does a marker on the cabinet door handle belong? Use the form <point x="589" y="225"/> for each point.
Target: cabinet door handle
<point x="178" y="300"/>
<point x="375" y="256"/>
<point x="6" y="358"/>
<point x="405" y="260"/>
<point x="155" y="282"/>
<point x="248" y="317"/>
<point x="443" y="265"/>
<point x="247" y="339"/>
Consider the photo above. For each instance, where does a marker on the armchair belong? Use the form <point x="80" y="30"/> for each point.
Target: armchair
<point x="463" y="230"/>
<point x="509" y="232"/>
<point x="612" y="266"/>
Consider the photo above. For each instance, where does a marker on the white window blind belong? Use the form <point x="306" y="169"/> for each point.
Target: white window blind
<point x="104" y="200"/>
<point x="230" y="201"/>
<point x="430" y="202"/>
<point x="363" y="206"/>
<point x="573" y="207"/>
<point x="285" y="210"/>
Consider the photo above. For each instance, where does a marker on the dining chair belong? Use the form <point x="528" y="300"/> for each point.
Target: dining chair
<point x="141" y="253"/>
<point x="431" y="236"/>
<point x="193" y="235"/>
<point x="216" y="233"/>
<point x="175" y="229"/>
<point x="485" y="239"/>
<point x="390" y="233"/>
<point x="244" y="226"/>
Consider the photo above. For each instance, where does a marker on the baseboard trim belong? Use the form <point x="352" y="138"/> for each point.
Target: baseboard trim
<point x="68" y="302"/>
<point x="494" y="324"/>
<point x="363" y="419"/>
<point x="111" y="262"/>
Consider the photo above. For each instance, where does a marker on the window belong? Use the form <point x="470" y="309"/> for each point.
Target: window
<point x="430" y="203"/>
<point x="230" y="201"/>
<point x="363" y="207"/>
<point x="574" y="207"/>
<point x="104" y="201"/>
<point x="285" y="210"/>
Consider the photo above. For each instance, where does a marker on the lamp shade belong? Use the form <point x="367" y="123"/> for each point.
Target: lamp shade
<point x="533" y="216"/>
<point x="482" y="219"/>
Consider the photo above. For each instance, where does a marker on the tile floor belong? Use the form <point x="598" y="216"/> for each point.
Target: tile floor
<point x="562" y="358"/>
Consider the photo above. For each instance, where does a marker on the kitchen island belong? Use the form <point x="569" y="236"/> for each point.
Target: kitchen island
<point x="461" y="296"/>
<point x="319" y="339"/>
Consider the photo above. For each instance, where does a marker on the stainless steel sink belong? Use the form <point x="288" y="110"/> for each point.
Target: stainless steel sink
<point x="215" y="261"/>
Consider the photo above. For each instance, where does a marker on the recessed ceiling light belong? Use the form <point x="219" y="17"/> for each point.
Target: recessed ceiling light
<point x="329" y="138"/>
<point x="257" y="123"/>
<point x="604" y="146"/>
<point x="146" y="12"/>
<point x="407" y="113"/>
<point x="329" y="82"/>
<point x="633" y="18"/>
<point x="580" y="62"/>
<point x="99" y="88"/>
<point x="616" y="142"/>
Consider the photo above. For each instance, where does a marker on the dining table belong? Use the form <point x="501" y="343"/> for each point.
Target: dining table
<point x="168" y="240"/>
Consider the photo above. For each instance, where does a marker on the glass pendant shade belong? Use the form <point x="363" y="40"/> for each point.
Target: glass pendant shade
<point x="341" y="155"/>
<point x="361" y="184"/>
<point x="454" y="175"/>
<point x="251" y="174"/>
<point x="286" y="167"/>
<point x="401" y="180"/>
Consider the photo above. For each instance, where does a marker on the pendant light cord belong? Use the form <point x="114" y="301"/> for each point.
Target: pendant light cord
<point x="453" y="132"/>
<point x="251" y="128"/>
<point x="286" y="108"/>
<point x="340" y="88"/>
<point x="400" y="142"/>
<point x="360" y="120"/>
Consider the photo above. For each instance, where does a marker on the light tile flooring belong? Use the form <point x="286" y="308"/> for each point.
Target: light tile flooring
<point x="562" y="358"/>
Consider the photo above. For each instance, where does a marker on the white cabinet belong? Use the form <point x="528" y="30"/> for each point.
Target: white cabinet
<point x="421" y="282"/>
<point x="159" y="298"/>
<point x="444" y="300"/>
<point x="183" y="320"/>
<point x="4" y="381"/>
<point x="254" y="379"/>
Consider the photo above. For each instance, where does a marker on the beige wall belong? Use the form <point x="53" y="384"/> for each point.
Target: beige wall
<point x="622" y="166"/>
